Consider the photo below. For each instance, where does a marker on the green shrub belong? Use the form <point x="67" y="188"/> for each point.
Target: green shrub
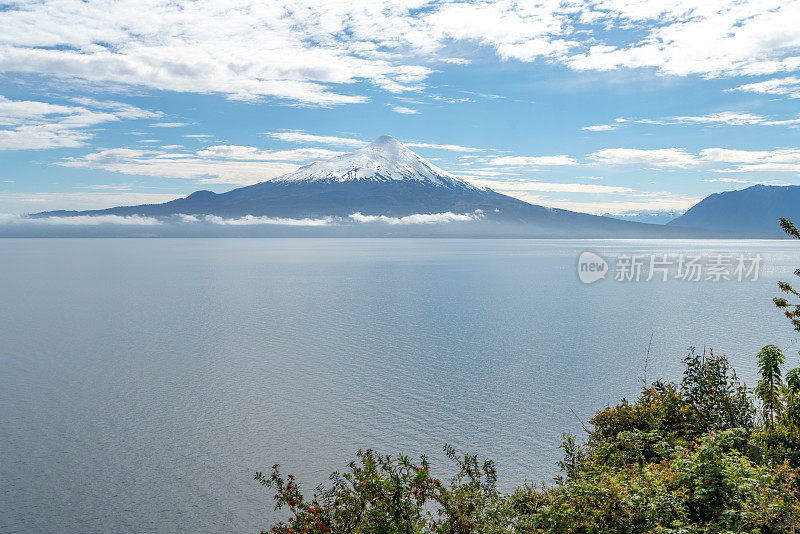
<point x="682" y="458"/>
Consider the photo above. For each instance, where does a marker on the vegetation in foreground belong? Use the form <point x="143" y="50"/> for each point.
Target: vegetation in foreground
<point x="705" y="455"/>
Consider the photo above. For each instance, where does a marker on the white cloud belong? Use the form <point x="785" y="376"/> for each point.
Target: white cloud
<point x="725" y="117"/>
<point x="763" y="167"/>
<point x="739" y="181"/>
<point x="110" y="187"/>
<point x="252" y="153"/>
<point x="42" y="136"/>
<point x="457" y="60"/>
<point x="788" y="122"/>
<point x="657" y="158"/>
<point x="721" y="38"/>
<point x="294" y="136"/>
<point x="418" y="218"/>
<point x="299" y="136"/>
<point x="250" y="220"/>
<point x="312" y="53"/>
<point x="550" y="187"/>
<point x="32" y="125"/>
<point x="206" y="169"/>
<point x="82" y="220"/>
<point x="404" y="110"/>
<point x="600" y="128"/>
<point x="789" y="86"/>
<point x="486" y="172"/>
<point x="533" y="161"/>
<point x="751" y="156"/>
<point x="452" y="148"/>
<point x="615" y="205"/>
<point x="170" y="124"/>
<point x="241" y="50"/>
<point x="779" y="160"/>
<point x="121" y="110"/>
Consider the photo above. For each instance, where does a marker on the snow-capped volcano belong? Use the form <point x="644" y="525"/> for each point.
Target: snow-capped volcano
<point x="382" y="181"/>
<point x="385" y="159"/>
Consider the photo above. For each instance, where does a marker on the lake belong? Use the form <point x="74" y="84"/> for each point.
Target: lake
<point x="144" y="381"/>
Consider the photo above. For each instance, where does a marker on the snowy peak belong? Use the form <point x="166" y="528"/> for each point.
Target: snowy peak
<point x="385" y="159"/>
<point x="388" y="143"/>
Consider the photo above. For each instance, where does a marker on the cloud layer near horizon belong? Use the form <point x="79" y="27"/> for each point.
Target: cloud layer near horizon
<point x="247" y="220"/>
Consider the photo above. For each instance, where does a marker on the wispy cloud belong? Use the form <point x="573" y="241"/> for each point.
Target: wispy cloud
<point x="727" y="155"/>
<point x="656" y="158"/>
<point x="82" y="220"/>
<point x="615" y="205"/>
<point x="299" y="136"/>
<point x="550" y="187"/>
<point x="170" y="124"/>
<point x="205" y="167"/>
<point x="740" y="181"/>
<point x="722" y="118"/>
<point x="418" y="218"/>
<point x="296" y="136"/>
<point x="110" y="187"/>
<point x="779" y="160"/>
<point x="251" y="153"/>
<point x="34" y="125"/>
<point x="533" y="161"/>
<point x="789" y="86"/>
<point x="251" y="220"/>
<point x="404" y="110"/>
<point x="358" y="218"/>
<point x="600" y="127"/>
<point x="451" y="148"/>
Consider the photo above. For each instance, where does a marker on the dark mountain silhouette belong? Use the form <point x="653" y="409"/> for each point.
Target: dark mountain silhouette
<point x="751" y="212"/>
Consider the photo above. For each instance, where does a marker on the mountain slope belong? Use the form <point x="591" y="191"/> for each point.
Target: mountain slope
<point x="387" y="179"/>
<point x="751" y="212"/>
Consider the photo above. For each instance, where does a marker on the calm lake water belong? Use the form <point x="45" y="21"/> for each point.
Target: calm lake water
<point x="144" y="381"/>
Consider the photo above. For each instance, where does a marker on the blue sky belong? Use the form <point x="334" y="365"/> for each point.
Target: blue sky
<point x="598" y="106"/>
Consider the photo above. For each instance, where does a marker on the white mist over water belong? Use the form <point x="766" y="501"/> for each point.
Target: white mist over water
<point x="144" y="381"/>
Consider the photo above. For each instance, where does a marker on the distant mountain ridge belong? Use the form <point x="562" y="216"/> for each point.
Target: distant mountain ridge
<point x="648" y="216"/>
<point x="750" y="212"/>
<point x="386" y="180"/>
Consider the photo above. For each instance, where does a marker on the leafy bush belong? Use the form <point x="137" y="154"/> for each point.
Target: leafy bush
<point x="682" y="458"/>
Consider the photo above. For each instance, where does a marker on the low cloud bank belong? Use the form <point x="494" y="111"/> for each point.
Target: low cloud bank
<point x="81" y="220"/>
<point x="358" y="218"/>
<point x="247" y="220"/>
<point x="419" y="218"/>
